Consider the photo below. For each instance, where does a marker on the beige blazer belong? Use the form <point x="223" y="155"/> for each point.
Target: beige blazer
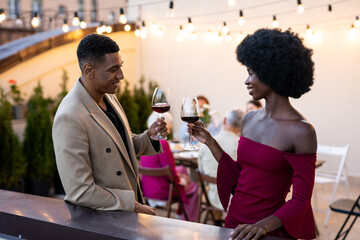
<point x="94" y="166"/>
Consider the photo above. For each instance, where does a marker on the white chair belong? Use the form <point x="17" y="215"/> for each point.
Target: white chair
<point x="325" y="177"/>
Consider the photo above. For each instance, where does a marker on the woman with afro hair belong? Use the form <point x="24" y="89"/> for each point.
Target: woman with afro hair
<point x="277" y="148"/>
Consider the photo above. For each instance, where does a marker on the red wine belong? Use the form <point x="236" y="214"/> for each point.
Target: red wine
<point x="190" y="119"/>
<point x="161" y="108"/>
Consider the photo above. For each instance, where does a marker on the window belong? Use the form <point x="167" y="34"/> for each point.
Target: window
<point x="94" y="11"/>
<point x="62" y="10"/>
<point x="14" y="8"/>
<point x="81" y="9"/>
<point x="37" y="7"/>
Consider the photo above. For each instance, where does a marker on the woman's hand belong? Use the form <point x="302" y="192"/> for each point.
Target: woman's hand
<point x="200" y="132"/>
<point x="247" y="231"/>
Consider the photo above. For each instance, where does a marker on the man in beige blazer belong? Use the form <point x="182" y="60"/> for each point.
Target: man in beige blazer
<point x="96" y="153"/>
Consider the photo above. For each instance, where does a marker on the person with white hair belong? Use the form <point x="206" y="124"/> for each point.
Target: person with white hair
<point x="228" y="139"/>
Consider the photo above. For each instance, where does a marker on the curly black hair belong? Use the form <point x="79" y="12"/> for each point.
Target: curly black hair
<point x="279" y="59"/>
<point x="93" y="48"/>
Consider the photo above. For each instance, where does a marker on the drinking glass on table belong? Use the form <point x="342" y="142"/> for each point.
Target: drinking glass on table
<point x="160" y="103"/>
<point x="190" y="114"/>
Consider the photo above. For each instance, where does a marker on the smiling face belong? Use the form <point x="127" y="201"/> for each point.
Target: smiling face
<point x="256" y="88"/>
<point x="107" y="74"/>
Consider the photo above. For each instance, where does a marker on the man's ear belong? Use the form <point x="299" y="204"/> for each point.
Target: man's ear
<point x="88" y="70"/>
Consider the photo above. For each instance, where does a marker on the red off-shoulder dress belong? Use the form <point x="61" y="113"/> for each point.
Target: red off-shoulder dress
<point x="260" y="180"/>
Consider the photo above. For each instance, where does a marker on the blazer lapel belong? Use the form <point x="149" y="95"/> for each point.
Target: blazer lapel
<point x="104" y="122"/>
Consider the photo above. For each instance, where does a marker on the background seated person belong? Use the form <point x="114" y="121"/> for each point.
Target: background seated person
<point x="158" y="187"/>
<point x="228" y="139"/>
<point x="253" y="105"/>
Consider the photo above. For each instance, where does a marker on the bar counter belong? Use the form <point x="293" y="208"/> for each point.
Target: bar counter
<point x="34" y="217"/>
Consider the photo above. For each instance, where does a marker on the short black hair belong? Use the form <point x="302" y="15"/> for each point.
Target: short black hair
<point x="93" y="48"/>
<point x="279" y="59"/>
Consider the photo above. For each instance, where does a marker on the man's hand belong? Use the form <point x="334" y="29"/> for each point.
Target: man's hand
<point x="140" y="208"/>
<point x="159" y="126"/>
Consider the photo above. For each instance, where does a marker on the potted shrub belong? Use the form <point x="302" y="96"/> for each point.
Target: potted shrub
<point x="144" y="104"/>
<point x="12" y="162"/>
<point x="18" y="108"/>
<point x="38" y="145"/>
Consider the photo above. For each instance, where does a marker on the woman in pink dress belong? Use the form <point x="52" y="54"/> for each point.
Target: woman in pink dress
<point x="159" y="187"/>
<point x="277" y="147"/>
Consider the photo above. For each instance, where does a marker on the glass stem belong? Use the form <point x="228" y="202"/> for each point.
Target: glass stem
<point x="190" y="137"/>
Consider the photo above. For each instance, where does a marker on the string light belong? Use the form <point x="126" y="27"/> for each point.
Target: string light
<point x="35" y="21"/>
<point x="309" y="32"/>
<point x="241" y="18"/>
<point x="122" y="17"/>
<point x="219" y="38"/>
<point x="225" y="28"/>
<point x="357" y="22"/>
<point x="171" y="9"/>
<point x="228" y="37"/>
<point x="83" y="24"/>
<point x="232" y="3"/>
<point x="159" y="32"/>
<point x="241" y="36"/>
<point x="18" y="20"/>
<point x="193" y="36"/>
<point x="65" y="26"/>
<point x="2" y="15"/>
<point x="300" y="7"/>
<point x="179" y="37"/>
<point x="352" y="32"/>
<point x="108" y="29"/>
<point x="76" y="20"/>
<point x="137" y="31"/>
<point x="330" y="10"/>
<point x="153" y="27"/>
<point x="275" y="23"/>
<point x="190" y="26"/>
<point x="127" y="28"/>
<point x="143" y="30"/>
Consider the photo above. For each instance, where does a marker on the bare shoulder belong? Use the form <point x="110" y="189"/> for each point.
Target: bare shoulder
<point x="248" y="117"/>
<point x="303" y="136"/>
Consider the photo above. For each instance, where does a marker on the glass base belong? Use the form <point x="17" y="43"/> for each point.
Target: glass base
<point x="191" y="147"/>
<point x="158" y="137"/>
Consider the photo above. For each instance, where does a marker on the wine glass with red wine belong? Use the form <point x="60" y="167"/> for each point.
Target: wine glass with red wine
<point x="160" y="103"/>
<point x="190" y="114"/>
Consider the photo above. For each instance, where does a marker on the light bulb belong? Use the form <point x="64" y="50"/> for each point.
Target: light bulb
<point x="137" y="32"/>
<point x="127" y="27"/>
<point x="35" y="21"/>
<point x="76" y="20"/>
<point x="98" y="30"/>
<point x="228" y="37"/>
<point x="18" y="20"/>
<point x="65" y="26"/>
<point x="83" y="24"/>
<point x="309" y="32"/>
<point x="275" y="23"/>
<point x="300" y="7"/>
<point x="108" y="29"/>
<point x="357" y="22"/>
<point x="2" y="15"/>
<point x="153" y="27"/>
<point x="159" y="32"/>
<point x="352" y="32"/>
<point x="219" y="37"/>
<point x="241" y="37"/>
<point x="193" y="36"/>
<point x="190" y="26"/>
<point x="122" y="17"/>
<point x="225" y="28"/>
<point x="232" y="3"/>
<point x="170" y="13"/>
<point x="330" y="10"/>
<point x="241" y="18"/>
